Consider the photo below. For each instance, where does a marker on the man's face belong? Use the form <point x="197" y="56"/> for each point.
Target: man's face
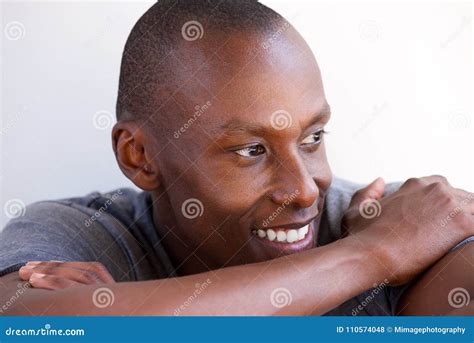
<point x="248" y="173"/>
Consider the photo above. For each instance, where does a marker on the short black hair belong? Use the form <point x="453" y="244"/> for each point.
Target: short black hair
<point x="145" y="78"/>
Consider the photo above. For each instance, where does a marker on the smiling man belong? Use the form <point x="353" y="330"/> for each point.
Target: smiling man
<point x="221" y="113"/>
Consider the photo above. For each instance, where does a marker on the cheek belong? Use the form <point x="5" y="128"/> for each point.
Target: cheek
<point x="204" y="202"/>
<point x="318" y="166"/>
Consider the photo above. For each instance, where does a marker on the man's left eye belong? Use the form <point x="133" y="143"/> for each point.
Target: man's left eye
<point x="251" y="151"/>
<point x="314" y="138"/>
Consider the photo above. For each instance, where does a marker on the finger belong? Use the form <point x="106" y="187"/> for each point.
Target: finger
<point x="373" y="191"/>
<point x="95" y="267"/>
<point x="52" y="282"/>
<point x="78" y="275"/>
<point x="425" y="181"/>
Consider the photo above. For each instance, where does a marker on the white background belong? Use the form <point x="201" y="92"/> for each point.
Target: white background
<point x="397" y="76"/>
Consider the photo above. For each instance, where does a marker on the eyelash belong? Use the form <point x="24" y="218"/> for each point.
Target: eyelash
<point x="320" y="134"/>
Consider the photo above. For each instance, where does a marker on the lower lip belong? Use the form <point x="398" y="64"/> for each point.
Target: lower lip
<point x="290" y="248"/>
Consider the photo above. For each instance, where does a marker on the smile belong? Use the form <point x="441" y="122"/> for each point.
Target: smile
<point x="283" y="235"/>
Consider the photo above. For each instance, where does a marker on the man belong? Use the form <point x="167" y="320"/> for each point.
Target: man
<point x="221" y="114"/>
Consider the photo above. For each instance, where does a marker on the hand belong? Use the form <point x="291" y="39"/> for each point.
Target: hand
<point x="56" y="275"/>
<point x="412" y="228"/>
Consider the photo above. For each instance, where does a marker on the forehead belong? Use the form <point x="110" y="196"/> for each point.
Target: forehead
<point x="249" y="76"/>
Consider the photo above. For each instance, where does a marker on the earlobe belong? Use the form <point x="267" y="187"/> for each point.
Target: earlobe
<point x="130" y="146"/>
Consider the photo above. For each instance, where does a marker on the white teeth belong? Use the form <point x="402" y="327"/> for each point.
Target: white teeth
<point x="281" y="236"/>
<point x="289" y="236"/>
<point x="301" y="234"/>
<point x="271" y="235"/>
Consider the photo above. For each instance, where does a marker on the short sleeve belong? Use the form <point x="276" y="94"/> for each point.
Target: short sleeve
<point x="52" y="230"/>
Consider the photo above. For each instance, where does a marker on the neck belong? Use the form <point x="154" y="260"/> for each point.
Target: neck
<point x="180" y="253"/>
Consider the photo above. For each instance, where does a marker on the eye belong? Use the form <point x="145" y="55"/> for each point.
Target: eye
<point x="251" y="151"/>
<point x="314" y="138"/>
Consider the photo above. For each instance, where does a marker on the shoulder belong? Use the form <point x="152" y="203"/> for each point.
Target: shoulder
<point x="95" y="227"/>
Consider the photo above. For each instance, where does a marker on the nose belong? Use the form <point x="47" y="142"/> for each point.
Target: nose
<point x="294" y="184"/>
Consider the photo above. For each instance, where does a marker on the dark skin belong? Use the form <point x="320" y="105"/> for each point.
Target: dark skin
<point x="242" y="169"/>
<point x="222" y="235"/>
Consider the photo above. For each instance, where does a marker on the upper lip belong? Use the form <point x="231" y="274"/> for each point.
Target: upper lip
<point x="293" y="225"/>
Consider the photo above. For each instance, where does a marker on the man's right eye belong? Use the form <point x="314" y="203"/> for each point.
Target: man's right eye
<point x="251" y="151"/>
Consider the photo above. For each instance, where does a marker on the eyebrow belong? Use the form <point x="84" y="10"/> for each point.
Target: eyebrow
<point x="236" y="126"/>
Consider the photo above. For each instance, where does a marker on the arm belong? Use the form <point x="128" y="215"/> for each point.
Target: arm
<point x="430" y="295"/>
<point x="239" y="290"/>
<point x="317" y="280"/>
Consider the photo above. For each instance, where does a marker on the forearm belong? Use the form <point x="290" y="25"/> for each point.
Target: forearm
<point x="317" y="280"/>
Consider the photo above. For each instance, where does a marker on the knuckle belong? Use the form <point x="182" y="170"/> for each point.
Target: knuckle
<point x="52" y="264"/>
<point x="357" y="193"/>
<point x="440" y="188"/>
<point x="99" y="267"/>
<point x="440" y="178"/>
<point x="412" y="181"/>
<point x="89" y="277"/>
<point x="47" y="269"/>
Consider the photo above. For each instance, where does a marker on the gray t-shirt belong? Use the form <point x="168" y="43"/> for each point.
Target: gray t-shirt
<point x="117" y="230"/>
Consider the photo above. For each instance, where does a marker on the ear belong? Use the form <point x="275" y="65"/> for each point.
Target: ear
<point x="132" y="151"/>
